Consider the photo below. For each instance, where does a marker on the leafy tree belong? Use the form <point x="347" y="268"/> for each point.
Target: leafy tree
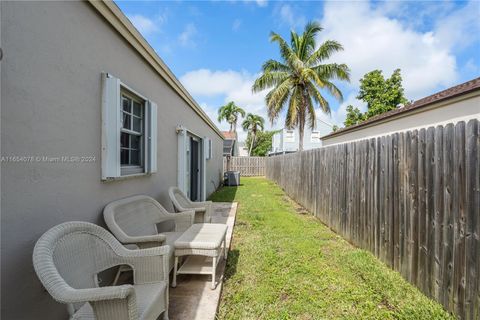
<point x="230" y="113"/>
<point x="251" y="124"/>
<point x="380" y="94"/>
<point x="297" y="80"/>
<point x="354" y="116"/>
<point x="263" y="143"/>
<point x="335" y="128"/>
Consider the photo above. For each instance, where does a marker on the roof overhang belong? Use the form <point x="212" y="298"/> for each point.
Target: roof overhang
<point x="400" y="115"/>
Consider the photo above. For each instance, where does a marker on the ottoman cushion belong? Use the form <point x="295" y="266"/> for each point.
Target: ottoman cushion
<point x="202" y="236"/>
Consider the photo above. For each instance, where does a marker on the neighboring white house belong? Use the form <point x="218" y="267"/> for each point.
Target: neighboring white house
<point x="458" y="103"/>
<point x="242" y="149"/>
<point x="288" y="140"/>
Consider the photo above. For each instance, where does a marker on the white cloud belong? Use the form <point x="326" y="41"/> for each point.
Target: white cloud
<point x="186" y="37"/>
<point x="143" y="24"/>
<point x="287" y="15"/>
<point x="337" y="117"/>
<point x="374" y="41"/>
<point x="261" y="3"/>
<point x="204" y="82"/>
<point x="236" y="24"/>
<point x="460" y="28"/>
<point x="228" y="85"/>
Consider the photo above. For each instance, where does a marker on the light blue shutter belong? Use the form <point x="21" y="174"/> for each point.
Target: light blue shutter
<point x="152" y="138"/>
<point x="111" y="125"/>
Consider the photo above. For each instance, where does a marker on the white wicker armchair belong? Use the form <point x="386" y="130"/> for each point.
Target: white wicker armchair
<point x="181" y="203"/>
<point x="134" y="220"/>
<point x="68" y="258"/>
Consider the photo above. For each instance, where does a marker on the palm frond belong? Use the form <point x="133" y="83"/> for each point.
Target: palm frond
<point x="275" y="66"/>
<point x="324" y="52"/>
<point x="333" y="71"/>
<point x="268" y="80"/>
<point x="308" y="39"/>
<point x="287" y="53"/>
<point x="318" y="98"/>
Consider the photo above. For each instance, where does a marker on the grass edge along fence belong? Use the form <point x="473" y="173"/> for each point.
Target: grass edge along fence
<point x="412" y="198"/>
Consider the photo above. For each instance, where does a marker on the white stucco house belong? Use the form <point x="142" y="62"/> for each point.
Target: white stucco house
<point x="287" y="140"/>
<point x="458" y="103"/>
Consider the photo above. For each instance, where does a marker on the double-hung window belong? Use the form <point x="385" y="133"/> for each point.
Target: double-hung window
<point x="132" y="136"/>
<point x="129" y="131"/>
<point x="289" y="136"/>
<point x="315" y="136"/>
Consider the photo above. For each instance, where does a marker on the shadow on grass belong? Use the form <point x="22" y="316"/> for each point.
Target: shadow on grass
<point x="225" y="194"/>
<point x="232" y="262"/>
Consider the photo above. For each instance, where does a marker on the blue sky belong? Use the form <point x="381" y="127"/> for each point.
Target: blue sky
<point x="216" y="48"/>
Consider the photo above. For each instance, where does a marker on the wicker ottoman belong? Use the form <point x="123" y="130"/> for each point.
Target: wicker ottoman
<point x="202" y="243"/>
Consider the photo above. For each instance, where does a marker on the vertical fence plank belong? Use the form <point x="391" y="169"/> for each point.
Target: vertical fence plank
<point x="422" y="216"/>
<point x="448" y="135"/>
<point x="458" y="284"/>
<point x="430" y="210"/>
<point x="472" y="213"/>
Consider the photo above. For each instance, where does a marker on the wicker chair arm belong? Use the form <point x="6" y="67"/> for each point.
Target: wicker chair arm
<point x="152" y="240"/>
<point x="150" y="265"/>
<point x="183" y="220"/>
<point x="66" y="294"/>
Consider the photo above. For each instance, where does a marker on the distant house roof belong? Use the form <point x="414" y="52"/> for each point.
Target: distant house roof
<point x="230" y="135"/>
<point x="449" y="93"/>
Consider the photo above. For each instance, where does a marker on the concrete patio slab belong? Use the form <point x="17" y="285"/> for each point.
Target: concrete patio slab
<point x="193" y="299"/>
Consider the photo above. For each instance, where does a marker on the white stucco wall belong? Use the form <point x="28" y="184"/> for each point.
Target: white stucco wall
<point x="54" y="54"/>
<point x="450" y="111"/>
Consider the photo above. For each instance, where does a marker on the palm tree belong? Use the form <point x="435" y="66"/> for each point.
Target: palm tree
<point x="229" y="113"/>
<point x="298" y="79"/>
<point x="252" y="123"/>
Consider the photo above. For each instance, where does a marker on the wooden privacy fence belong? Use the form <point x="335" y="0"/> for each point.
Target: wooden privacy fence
<point x="248" y="166"/>
<point x="411" y="198"/>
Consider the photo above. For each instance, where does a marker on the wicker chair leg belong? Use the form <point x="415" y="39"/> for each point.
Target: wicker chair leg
<point x="214" y="266"/>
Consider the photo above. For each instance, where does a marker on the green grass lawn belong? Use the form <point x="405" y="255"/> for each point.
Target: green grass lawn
<point x="285" y="264"/>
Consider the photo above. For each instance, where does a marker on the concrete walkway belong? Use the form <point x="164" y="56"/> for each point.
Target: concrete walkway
<point x="193" y="299"/>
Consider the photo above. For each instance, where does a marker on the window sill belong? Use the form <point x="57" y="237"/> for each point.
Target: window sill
<point x="127" y="176"/>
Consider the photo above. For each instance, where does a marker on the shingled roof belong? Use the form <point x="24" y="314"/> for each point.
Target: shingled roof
<point x="230" y="135"/>
<point x="449" y="93"/>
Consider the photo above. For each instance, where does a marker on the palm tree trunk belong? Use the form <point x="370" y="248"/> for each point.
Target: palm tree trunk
<point x="301" y="129"/>
<point x="251" y="145"/>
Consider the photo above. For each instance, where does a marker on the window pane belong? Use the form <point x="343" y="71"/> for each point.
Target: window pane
<point x="124" y="140"/>
<point x="135" y="157"/>
<point x="135" y="142"/>
<point x="137" y="109"/>
<point x="126" y="121"/>
<point x="124" y="158"/>
<point x="127" y="104"/>
<point x="137" y="124"/>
